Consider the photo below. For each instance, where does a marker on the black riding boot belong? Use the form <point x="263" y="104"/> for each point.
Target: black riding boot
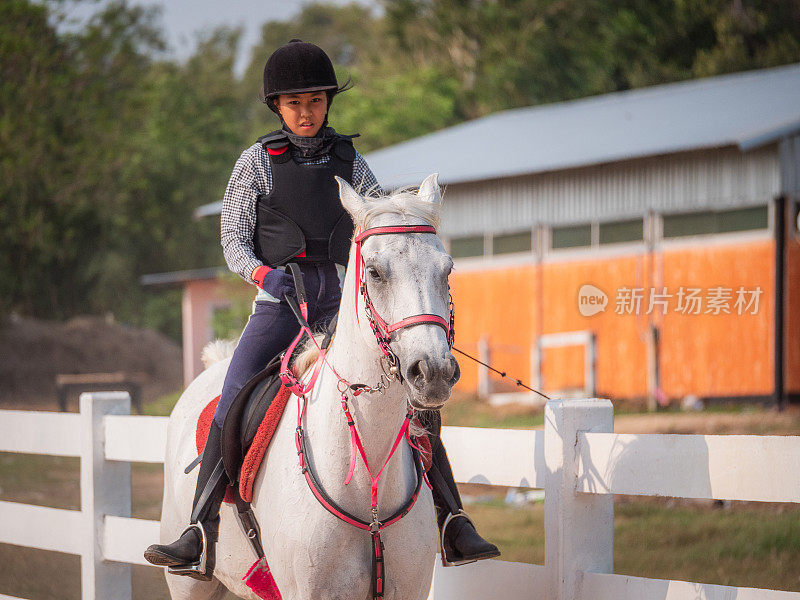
<point x="193" y="553"/>
<point x="460" y="541"/>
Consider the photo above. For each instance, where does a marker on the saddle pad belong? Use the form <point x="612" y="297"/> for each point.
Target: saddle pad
<point x="255" y="453"/>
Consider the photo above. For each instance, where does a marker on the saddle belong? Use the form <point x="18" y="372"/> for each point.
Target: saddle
<point x="247" y="434"/>
<point x="253" y="416"/>
<point x="249" y="425"/>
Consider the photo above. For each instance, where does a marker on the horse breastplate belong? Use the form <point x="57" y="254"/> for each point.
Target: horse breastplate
<point x="302" y="218"/>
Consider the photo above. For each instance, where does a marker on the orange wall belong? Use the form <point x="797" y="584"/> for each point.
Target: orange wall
<point x="721" y="355"/>
<point x="497" y="302"/>
<point x="705" y="354"/>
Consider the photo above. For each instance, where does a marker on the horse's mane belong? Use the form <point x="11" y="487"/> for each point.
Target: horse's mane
<point x="308" y="354"/>
<point x="403" y="202"/>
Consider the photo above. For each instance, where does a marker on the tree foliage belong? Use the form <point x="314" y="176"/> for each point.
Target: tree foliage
<point x="509" y="53"/>
<point x="107" y="146"/>
<point x="106" y="152"/>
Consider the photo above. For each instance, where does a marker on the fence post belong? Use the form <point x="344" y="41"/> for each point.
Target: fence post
<point x="484" y="383"/>
<point x="105" y="490"/>
<point x="579" y="528"/>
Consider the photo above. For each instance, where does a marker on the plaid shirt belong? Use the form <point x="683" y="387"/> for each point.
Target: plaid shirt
<point x="252" y="175"/>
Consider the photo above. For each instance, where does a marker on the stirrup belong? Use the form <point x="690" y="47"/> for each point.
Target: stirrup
<point x="195" y="570"/>
<point x="446" y="562"/>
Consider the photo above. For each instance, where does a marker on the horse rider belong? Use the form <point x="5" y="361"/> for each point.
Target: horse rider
<point x="281" y="204"/>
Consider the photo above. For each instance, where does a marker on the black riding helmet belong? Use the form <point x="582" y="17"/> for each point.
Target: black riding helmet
<point x="298" y="67"/>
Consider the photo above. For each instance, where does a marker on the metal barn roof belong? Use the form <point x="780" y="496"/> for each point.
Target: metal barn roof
<point x="747" y="110"/>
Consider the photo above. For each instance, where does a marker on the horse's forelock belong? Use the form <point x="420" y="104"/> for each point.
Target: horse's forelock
<point x="403" y="202"/>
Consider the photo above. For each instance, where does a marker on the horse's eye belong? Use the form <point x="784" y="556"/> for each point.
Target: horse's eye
<point x="374" y="274"/>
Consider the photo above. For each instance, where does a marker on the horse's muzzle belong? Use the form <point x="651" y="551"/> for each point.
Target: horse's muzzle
<point x="431" y="380"/>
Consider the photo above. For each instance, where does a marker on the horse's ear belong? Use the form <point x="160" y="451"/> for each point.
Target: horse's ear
<point x="351" y="199"/>
<point x="429" y="190"/>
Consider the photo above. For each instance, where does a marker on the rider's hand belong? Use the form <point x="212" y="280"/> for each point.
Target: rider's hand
<point x="276" y="282"/>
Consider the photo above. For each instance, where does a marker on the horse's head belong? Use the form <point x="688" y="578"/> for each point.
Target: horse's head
<point x="406" y="275"/>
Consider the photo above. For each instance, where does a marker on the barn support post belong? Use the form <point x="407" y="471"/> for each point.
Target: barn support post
<point x="579" y="528"/>
<point x="779" y="397"/>
<point x="105" y="490"/>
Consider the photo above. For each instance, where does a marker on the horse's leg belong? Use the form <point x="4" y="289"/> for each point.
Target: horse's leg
<point x="186" y="588"/>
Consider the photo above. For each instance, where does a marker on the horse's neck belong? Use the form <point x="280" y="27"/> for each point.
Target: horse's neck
<point x="378" y="417"/>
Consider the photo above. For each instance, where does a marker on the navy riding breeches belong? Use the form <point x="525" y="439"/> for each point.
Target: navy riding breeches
<point x="273" y="326"/>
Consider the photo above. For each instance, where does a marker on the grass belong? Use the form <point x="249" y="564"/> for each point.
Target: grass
<point x="44" y="480"/>
<point x="744" y="546"/>
<point x="471" y="412"/>
<point x="163" y="406"/>
<point x="750" y="546"/>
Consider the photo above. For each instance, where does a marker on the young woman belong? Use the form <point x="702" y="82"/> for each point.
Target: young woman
<point x="282" y="205"/>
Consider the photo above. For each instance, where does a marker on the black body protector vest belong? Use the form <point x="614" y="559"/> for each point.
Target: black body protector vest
<point x="302" y="219"/>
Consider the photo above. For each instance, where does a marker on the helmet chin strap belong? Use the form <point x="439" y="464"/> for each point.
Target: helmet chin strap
<point x="289" y="129"/>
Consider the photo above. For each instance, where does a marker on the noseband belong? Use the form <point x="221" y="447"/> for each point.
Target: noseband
<point x="381" y="328"/>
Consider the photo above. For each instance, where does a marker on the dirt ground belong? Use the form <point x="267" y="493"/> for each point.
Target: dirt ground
<point x="33" y="352"/>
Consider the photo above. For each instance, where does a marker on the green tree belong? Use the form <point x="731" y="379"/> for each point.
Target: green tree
<point x="392" y="99"/>
<point x="106" y="151"/>
<point x="510" y="53"/>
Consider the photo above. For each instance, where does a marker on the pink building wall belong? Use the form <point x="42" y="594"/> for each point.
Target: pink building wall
<point x="200" y="299"/>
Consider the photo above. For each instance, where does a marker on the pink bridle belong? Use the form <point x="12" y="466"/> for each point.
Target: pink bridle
<point x="381" y="328"/>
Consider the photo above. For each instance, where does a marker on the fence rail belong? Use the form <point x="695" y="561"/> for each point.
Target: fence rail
<point x="32" y="432"/>
<point x="577" y="460"/>
<point x="723" y="467"/>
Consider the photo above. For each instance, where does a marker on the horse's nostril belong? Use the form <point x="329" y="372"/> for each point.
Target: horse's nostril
<point x="415" y="371"/>
<point x="455" y="372"/>
<point x="425" y="368"/>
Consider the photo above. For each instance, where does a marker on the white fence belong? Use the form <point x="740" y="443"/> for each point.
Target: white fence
<point x="577" y="460"/>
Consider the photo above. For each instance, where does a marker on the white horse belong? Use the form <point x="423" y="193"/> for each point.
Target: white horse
<point x="312" y="554"/>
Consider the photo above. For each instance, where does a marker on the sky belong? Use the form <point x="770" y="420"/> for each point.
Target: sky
<point x="183" y="19"/>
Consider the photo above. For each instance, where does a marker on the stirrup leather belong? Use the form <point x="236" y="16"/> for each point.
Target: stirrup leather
<point x="445" y="560"/>
<point x="195" y="569"/>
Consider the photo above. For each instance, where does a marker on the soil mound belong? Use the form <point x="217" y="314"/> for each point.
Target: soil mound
<point x="33" y="352"/>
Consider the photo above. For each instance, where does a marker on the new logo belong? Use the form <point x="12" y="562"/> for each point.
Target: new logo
<point x="591" y="300"/>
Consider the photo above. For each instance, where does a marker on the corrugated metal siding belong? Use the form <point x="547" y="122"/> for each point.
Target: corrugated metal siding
<point x="707" y="354"/>
<point x="789" y="152"/>
<point x="719" y="178"/>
